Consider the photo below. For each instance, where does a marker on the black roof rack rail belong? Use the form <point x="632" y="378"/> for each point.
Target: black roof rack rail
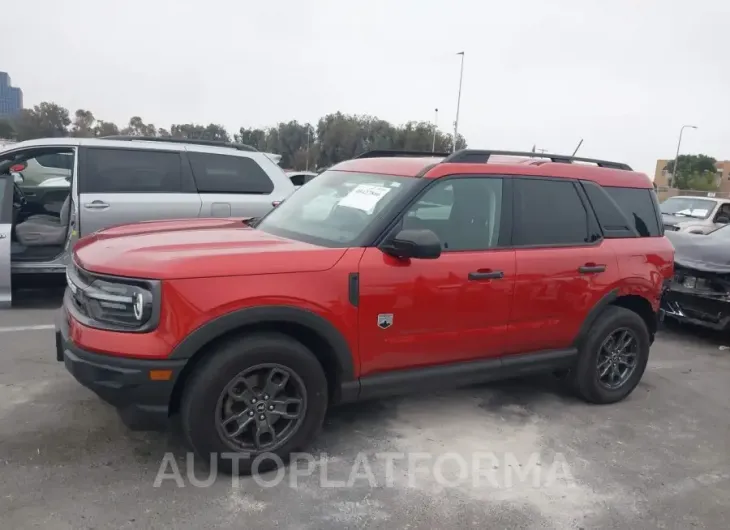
<point x="170" y="139"/>
<point x="478" y="156"/>
<point x="384" y="153"/>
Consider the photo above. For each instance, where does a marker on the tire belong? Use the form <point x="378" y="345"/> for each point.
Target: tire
<point x="204" y="401"/>
<point x="612" y="322"/>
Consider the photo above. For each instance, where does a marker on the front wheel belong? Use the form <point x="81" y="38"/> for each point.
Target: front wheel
<point x="256" y="400"/>
<point x="613" y="359"/>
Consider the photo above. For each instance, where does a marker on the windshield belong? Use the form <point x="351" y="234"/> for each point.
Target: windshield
<point x="335" y="208"/>
<point x="688" y="207"/>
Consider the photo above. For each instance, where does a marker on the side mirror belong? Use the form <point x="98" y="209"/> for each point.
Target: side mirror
<point x="722" y="219"/>
<point x="417" y="244"/>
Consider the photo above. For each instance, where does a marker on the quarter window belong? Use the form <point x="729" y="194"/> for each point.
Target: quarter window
<point x="229" y="174"/>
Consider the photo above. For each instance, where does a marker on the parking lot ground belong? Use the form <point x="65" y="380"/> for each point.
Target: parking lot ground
<point x="660" y="459"/>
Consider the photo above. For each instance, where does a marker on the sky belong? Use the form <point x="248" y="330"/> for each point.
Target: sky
<point x="623" y="75"/>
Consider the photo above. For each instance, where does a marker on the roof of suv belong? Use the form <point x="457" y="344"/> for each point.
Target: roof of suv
<point x="167" y="144"/>
<point x="474" y="162"/>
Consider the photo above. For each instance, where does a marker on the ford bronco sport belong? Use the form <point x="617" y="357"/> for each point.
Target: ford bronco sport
<point x="389" y="273"/>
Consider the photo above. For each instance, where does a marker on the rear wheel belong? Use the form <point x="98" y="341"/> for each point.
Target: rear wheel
<point x="613" y="358"/>
<point x="257" y="399"/>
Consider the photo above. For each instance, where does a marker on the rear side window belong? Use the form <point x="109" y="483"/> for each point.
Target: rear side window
<point x="549" y="212"/>
<point x="131" y="171"/>
<point x="613" y="220"/>
<point x="229" y="174"/>
<point x="639" y="205"/>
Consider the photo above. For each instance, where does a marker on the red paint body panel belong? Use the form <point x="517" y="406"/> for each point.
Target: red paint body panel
<point x="201" y="249"/>
<point x="439" y="315"/>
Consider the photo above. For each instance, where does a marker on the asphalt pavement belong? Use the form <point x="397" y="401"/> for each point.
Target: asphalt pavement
<point x="660" y="459"/>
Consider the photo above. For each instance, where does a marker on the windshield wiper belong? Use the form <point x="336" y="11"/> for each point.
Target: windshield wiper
<point x="252" y="221"/>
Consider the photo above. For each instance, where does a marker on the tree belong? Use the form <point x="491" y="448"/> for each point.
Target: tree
<point x="42" y="121"/>
<point x="105" y="128"/>
<point x="137" y="127"/>
<point x="256" y="138"/>
<point x="192" y="131"/>
<point x="702" y="181"/>
<point x="691" y="167"/>
<point x="7" y="131"/>
<point x="83" y="124"/>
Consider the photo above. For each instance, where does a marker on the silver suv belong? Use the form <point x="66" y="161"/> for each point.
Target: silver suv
<point x="55" y="190"/>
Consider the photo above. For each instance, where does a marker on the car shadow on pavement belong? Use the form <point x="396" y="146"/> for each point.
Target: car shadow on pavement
<point x="50" y="297"/>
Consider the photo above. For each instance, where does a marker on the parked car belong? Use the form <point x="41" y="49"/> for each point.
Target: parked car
<point x="408" y="274"/>
<point x="696" y="215"/>
<point x="700" y="290"/>
<point x="66" y="188"/>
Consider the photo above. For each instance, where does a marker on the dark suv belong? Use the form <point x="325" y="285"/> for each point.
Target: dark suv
<point x="390" y="273"/>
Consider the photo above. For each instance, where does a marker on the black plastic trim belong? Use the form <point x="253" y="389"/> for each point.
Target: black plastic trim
<point x="479" y="156"/>
<point x="391" y="153"/>
<point x="122" y="382"/>
<point x="269" y="314"/>
<point x="462" y="374"/>
<point x="593" y="315"/>
<point x="353" y="284"/>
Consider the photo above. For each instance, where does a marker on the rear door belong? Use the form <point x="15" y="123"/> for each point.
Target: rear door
<point x="564" y="267"/>
<point x="120" y="186"/>
<point x="235" y="185"/>
<point x="6" y="223"/>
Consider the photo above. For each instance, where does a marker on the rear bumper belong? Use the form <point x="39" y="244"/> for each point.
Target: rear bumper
<point x="142" y="403"/>
<point x="709" y="311"/>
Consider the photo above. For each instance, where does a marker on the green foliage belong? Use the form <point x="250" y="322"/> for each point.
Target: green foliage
<point x="693" y="170"/>
<point x="335" y="137"/>
<point x="7" y="131"/>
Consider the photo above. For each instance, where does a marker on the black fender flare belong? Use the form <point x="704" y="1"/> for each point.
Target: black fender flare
<point x="593" y="315"/>
<point x="221" y="325"/>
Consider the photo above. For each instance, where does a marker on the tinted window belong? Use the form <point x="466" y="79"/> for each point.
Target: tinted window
<point x="297" y="180"/>
<point x="465" y="213"/>
<point x="549" y="212"/>
<point x="639" y="206"/>
<point x="229" y="174"/>
<point x="130" y="171"/>
<point x="610" y="215"/>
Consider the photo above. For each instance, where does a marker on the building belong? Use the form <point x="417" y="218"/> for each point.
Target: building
<point x="662" y="176"/>
<point x="11" y="98"/>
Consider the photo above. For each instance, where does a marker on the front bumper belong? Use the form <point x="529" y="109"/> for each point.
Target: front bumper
<point x="696" y="307"/>
<point x="142" y="402"/>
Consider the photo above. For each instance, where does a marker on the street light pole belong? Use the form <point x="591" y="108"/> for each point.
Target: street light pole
<point x="458" y="101"/>
<point x="435" y="125"/>
<point x="676" y="157"/>
<point x="308" y="134"/>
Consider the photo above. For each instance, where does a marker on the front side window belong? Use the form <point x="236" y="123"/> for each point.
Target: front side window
<point x="464" y="213"/>
<point x="132" y="171"/>
<point x="688" y="207"/>
<point x="549" y="212"/>
<point x="336" y="208"/>
<point x="43" y="168"/>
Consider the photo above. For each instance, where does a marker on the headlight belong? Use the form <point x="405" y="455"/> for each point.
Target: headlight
<point x="118" y="303"/>
<point x="122" y="304"/>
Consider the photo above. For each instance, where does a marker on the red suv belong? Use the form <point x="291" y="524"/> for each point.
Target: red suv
<point x="390" y="273"/>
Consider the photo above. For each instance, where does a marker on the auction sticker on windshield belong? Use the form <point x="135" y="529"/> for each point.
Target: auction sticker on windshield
<point x="364" y="197"/>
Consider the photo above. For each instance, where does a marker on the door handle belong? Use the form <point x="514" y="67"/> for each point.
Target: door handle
<point x="96" y="205"/>
<point x="486" y="275"/>
<point x="591" y="268"/>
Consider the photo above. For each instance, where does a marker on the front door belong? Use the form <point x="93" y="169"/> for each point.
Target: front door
<point x="6" y="224"/>
<point x="120" y="186"/>
<point x="454" y="308"/>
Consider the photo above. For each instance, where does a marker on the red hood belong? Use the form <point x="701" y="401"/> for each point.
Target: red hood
<point x="197" y="248"/>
